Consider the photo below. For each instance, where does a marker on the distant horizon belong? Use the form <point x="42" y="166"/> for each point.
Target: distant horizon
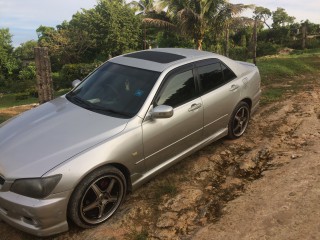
<point x="23" y="18"/>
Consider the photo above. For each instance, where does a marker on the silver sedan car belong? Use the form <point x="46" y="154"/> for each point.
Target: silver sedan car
<point x="77" y="156"/>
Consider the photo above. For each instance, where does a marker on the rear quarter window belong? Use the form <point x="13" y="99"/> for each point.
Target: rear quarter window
<point x="227" y="73"/>
<point x="214" y="75"/>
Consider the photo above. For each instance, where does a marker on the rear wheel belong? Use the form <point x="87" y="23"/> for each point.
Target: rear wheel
<point x="97" y="197"/>
<point x="239" y="120"/>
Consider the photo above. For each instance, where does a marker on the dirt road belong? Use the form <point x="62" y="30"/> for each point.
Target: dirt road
<point x="265" y="185"/>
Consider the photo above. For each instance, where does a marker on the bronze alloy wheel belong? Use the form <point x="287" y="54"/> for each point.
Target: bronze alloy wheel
<point x="98" y="197"/>
<point x="239" y="120"/>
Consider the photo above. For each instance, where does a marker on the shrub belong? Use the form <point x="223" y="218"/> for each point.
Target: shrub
<point x="238" y="53"/>
<point x="70" y="72"/>
<point x="57" y="81"/>
<point x="267" y="48"/>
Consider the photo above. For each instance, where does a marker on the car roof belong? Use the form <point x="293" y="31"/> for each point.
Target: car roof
<point x="159" y="59"/>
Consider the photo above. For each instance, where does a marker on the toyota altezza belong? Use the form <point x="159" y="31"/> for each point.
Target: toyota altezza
<point x="77" y="156"/>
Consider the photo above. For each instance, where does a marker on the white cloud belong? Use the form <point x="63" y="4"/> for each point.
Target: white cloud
<point x="24" y="17"/>
<point x="301" y="10"/>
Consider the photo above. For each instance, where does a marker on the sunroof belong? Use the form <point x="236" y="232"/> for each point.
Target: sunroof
<point x="159" y="57"/>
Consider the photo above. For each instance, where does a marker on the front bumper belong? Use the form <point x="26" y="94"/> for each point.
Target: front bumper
<point x="40" y="217"/>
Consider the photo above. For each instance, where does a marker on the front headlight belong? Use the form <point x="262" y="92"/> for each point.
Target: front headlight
<point x="35" y="187"/>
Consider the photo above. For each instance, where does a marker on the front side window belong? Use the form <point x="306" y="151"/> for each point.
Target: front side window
<point x="178" y="89"/>
<point x="114" y="90"/>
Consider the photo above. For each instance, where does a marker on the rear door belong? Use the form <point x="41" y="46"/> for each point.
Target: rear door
<point x="220" y="89"/>
<point x="164" y="139"/>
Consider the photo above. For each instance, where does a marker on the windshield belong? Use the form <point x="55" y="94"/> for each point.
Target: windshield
<point x="114" y="90"/>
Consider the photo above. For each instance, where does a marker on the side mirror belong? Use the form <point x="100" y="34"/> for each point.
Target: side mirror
<point x="162" y="111"/>
<point x="75" y="83"/>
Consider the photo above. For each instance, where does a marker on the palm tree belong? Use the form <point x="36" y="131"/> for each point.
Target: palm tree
<point x="194" y="17"/>
<point x="152" y="16"/>
<point x="228" y="14"/>
<point x="191" y="18"/>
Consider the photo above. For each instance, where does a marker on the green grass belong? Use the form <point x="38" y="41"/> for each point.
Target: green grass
<point x="306" y="51"/>
<point x="11" y="100"/>
<point x="272" y="68"/>
<point x="272" y="95"/>
<point x="285" y="74"/>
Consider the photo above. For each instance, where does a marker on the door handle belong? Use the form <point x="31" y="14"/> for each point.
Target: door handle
<point x="234" y="87"/>
<point x="194" y="107"/>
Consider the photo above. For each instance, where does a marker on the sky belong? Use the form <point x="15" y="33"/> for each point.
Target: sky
<point x="23" y="17"/>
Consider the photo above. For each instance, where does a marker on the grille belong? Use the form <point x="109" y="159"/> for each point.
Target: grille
<point x="2" y="180"/>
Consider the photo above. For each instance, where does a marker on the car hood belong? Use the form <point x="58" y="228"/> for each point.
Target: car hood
<point x="41" y="138"/>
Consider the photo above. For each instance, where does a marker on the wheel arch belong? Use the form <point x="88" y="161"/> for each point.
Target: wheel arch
<point x="248" y="101"/>
<point x="125" y="171"/>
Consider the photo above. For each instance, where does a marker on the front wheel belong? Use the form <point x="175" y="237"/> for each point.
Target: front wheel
<point x="97" y="197"/>
<point x="239" y="120"/>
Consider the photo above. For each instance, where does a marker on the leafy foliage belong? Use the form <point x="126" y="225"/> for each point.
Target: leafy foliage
<point x="281" y="18"/>
<point x="70" y="72"/>
<point x="8" y="64"/>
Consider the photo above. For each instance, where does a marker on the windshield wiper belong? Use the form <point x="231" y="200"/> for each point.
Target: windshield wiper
<point x="87" y="105"/>
<point x="79" y="101"/>
<point x="107" y="110"/>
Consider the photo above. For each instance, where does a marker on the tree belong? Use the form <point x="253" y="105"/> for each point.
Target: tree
<point x="281" y="18"/>
<point x="192" y="18"/>
<point x="67" y="43"/>
<point x="196" y="17"/>
<point x="25" y="78"/>
<point x="8" y="64"/>
<point x="25" y="52"/>
<point x="263" y="14"/>
<point x="114" y="27"/>
<point x="227" y="14"/>
<point x="143" y="7"/>
<point x="109" y="29"/>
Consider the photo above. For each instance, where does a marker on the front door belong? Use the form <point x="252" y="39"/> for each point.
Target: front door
<point x="164" y="139"/>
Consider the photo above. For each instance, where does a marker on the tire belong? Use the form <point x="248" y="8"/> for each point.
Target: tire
<point x="97" y="197"/>
<point x="239" y="120"/>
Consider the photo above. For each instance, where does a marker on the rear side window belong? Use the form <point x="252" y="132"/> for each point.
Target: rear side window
<point x="179" y="89"/>
<point x="214" y="75"/>
<point x="211" y="76"/>
<point x="227" y="73"/>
